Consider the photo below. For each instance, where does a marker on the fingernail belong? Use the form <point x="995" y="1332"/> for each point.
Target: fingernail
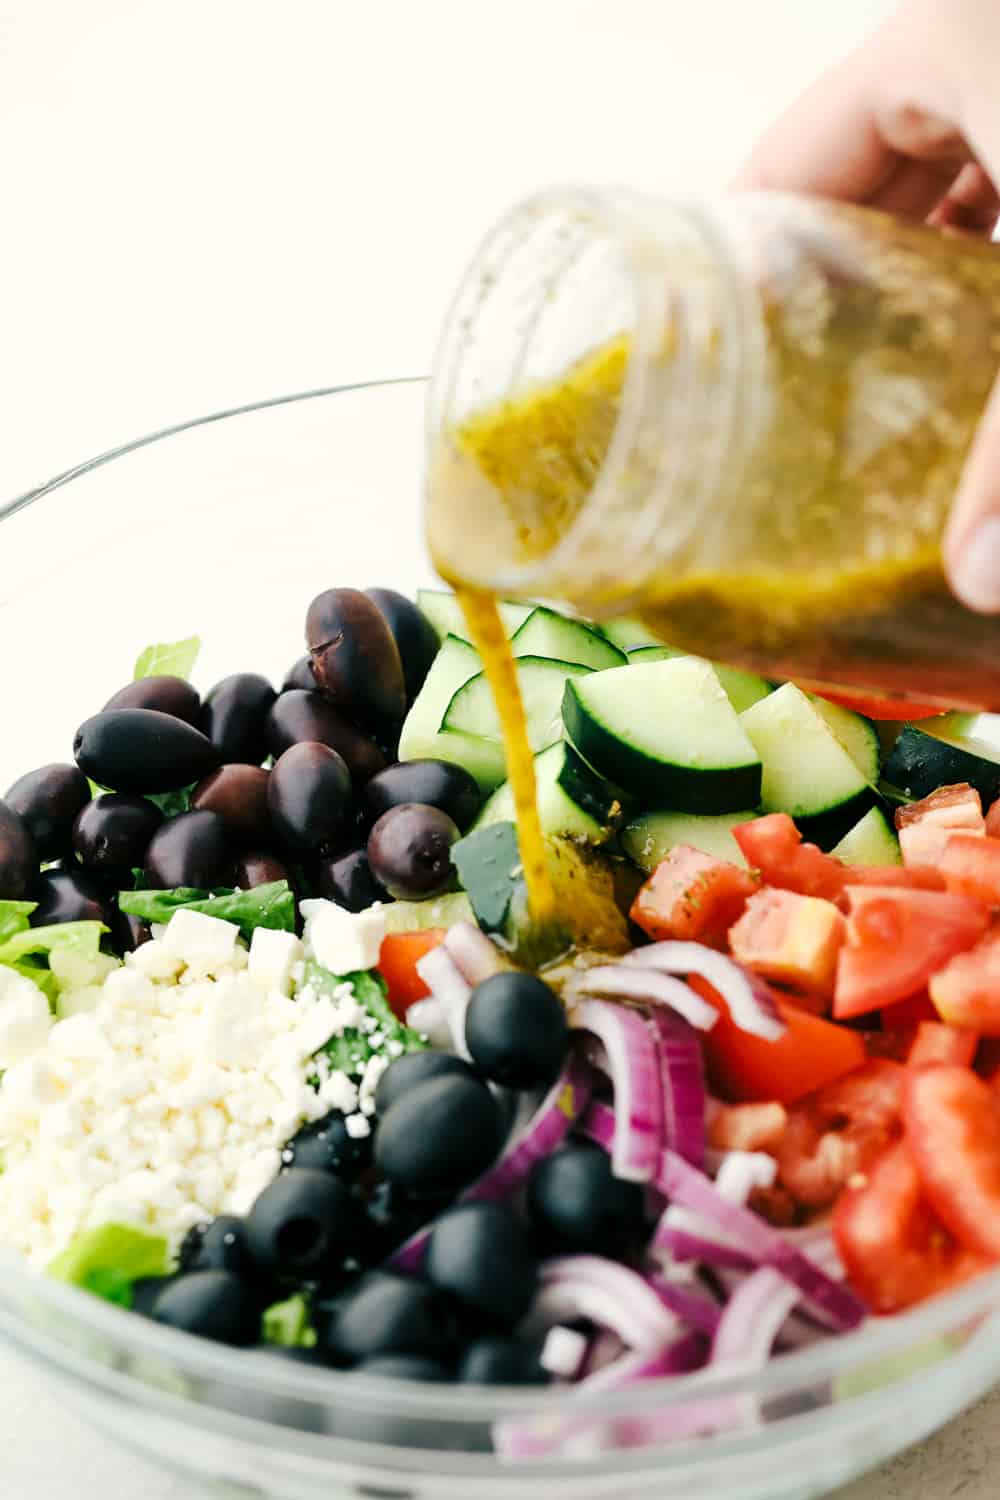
<point x="976" y="574"/>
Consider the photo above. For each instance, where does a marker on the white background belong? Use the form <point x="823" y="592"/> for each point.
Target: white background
<point x="210" y="201"/>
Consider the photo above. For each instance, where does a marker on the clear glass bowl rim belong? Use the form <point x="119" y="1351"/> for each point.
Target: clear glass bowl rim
<point x="879" y="1339"/>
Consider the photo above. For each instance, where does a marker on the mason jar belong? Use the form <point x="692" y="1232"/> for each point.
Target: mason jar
<point x="743" y="421"/>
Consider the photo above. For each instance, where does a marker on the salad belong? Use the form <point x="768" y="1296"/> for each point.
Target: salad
<point x="286" y="1062"/>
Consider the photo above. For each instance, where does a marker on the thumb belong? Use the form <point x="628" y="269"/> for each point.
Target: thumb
<point x="972" y="538"/>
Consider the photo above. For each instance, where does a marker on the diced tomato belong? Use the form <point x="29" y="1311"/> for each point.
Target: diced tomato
<point x="925" y="827"/>
<point x="747" y="1127"/>
<point x="896" y="939"/>
<point x="971" y="866"/>
<point x="397" y="963"/>
<point x="809" y="1054"/>
<point x="895" y="1250"/>
<point x="988" y="1059"/>
<point x="874" y="705"/>
<point x="837" y="1131"/>
<point x="966" y="991"/>
<point x="773" y="845"/>
<point x="909" y="1013"/>
<point x="993" y="821"/>
<point x="953" y="1129"/>
<point x="935" y="1043"/>
<point x="791" y="939"/>
<point x="692" y="896"/>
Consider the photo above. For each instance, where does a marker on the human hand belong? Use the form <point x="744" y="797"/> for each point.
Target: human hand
<point x="909" y="123"/>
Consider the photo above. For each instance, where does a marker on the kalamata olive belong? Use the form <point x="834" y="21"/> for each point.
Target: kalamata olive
<point x="299" y="716"/>
<point x="415" y="636"/>
<point x="436" y="783"/>
<point x="129" y="933"/>
<point x="168" y="695"/>
<point x="142" y="750"/>
<point x="192" y="849"/>
<point x="356" y="660"/>
<point x="299" y="676"/>
<point x="70" y="896"/>
<point x="348" y="880"/>
<point x="112" y="833"/>
<point x="257" y="868"/>
<point x="47" y="801"/>
<point x="234" y="717"/>
<point x="18" y="857"/>
<point x="409" y="851"/>
<point x="238" y="793"/>
<point x="309" y="795"/>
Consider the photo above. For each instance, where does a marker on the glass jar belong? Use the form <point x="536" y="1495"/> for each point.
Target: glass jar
<point x="743" y="421"/>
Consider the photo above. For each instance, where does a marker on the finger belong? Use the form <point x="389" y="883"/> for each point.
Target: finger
<point x="971" y="205"/>
<point x="972" y="540"/>
<point x="915" y="189"/>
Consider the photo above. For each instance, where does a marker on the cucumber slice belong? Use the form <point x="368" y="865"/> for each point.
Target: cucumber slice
<point x="873" y="841"/>
<point x="545" y="633"/>
<point x="628" y="632"/>
<point x="807" y="771"/>
<point x="667" y="733"/>
<point x="437" y="911"/>
<point x="924" y="759"/>
<point x="858" y="736"/>
<point x="445" y="613"/>
<point x="743" y="689"/>
<point x="571" y="799"/>
<point x="640" y="655"/>
<point x="473" y="711"/>
<point x="454" y="665"/>
<point x="649" y="839"/>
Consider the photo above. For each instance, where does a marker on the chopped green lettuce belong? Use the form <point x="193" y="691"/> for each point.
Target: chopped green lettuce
<point x="14" y="917"/>
<point x="171" y="658"/>
<point x="271" y="905"/>
<point x="289" y="1324"/>
<point x="62" y="955"/>
<point x="109" y="1260"/>
<point x="82" y="938"/>
<point x="172" y="803"/>
<point x="350" y="1052"/>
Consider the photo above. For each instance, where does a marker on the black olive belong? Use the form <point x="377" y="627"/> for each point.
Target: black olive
<point x="193" y="849"/>
<point x="500" y="1361"/>
<point x="355" y="659"/>
<point x="408" y="1072"/>
<point x="112" y="833"/>
<point x="436" y="783"/>
<point x="18" y="857"/>
<point x="386" y="1314"/>
<point x="439" y="1136"/>
<point x="238" y="793"/>
<point x="409" y="851"/>
<point x="300" y="716"/>
<point x="478" y="1252"/>
<point x="167" y="694"/>
<point x="302" y="1223"/>
<point x="47" y="801"/>
<point x="142" y="750"/>
<point x="147" y="1289"/>
<point x="391" y="1215"/>
<point x="516" y="1030"/>
<point x="258" y="868"/>
<point x="577" y="1204"/>
<point x="328" y="1146"/>
<point x="234" y="717"/>
<point x="347" y="879"/>
<point x="404" y="1367"/>
<point x="70" y="896"/>
<point x="220" y="1245"/>
<point x="415" y="636"/>
<point x="309" y="795"/>
<point x="216" y="1304"/>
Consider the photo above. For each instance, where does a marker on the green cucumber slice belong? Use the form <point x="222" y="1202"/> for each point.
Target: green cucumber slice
<point x="872" y="841"/>
<point x="628" y="632"/>
<point x="473" y="711"/>
<point x="545" y="633"/>
<point x="743" y="689"/>
<point x="436" y="911"/>
<point x="445" y="613"/>
<point x="420" y="739"/>
<point x="649" y="839"/>
<point x="571" y="799"/>
<point x="858" y="735"/>
<point x="925" y="758"/>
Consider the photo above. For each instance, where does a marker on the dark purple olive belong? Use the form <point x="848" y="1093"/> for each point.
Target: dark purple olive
<point x="18" y="857"/>
<point x="348" y="881"/>
<point x="47" y="801"/>
<point x="299" y="676"/>
<point x="112" y="833"/>
<point x="356" y="660"/>
<point x="142" y="750"/>
<point x="70" y="896"/>
<point x="437" y="783"/>
<point x="415" y="636"/>
<point x="409" y="851"/>
<point x="168" y="695"/>
<point x="237" y="793"/>
<point x="309" y="795"/>
<point x="299" y="716"/>
<point x="129" y="933"/>
<point x="192" y="849"/>
<point x="258" y="869"/>
<point x="234" y="717"/>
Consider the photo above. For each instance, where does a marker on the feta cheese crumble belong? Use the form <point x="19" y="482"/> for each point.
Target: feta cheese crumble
<point x="343" y="941"/>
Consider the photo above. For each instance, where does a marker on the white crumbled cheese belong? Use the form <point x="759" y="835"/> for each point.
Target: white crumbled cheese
<point x="374" y="1068"/>
<point x="25" y="1018"/>
<point x="153" y="960"/>
<point x="274" y="958"/>
<point x="343" y="941"/>
<point x="204" y="943"/>
<point x="358" y="1127"/>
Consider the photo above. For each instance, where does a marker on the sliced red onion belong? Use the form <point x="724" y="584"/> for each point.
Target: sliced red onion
<point x="684" y="1245"/>
<point x="605" y="1348"/>
<point x="605" y="1293"/>
<point x="598" y="1124"/>
<point x="547" y="1128"/>
<point x="564" y="1352"/>
<point x="428" y="1019"/>
<point x="682" y="1076"/>
<point x="753" y="1318"/>
<point x="693" y="1308"/>
<point x="616" y="981"/>
<point x="445" y="980"/>
<point x="476" y="957"/>
<point x="684" y="1185"/>
<point x="633" y="1066"/>
<point x="751" y="1005"/>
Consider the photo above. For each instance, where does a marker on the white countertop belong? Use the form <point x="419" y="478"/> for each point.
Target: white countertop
<point x="216" y="200"/>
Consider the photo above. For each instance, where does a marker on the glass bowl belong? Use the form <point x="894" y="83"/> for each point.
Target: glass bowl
<point x="226" y="528"/>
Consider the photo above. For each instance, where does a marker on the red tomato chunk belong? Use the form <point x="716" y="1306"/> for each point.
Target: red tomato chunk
<point x="791" y="939"/>
<point x="971" y="866"/>
<point x="953" y="1129"/>
<point x="691" y="896"/>
<point x="966" y="991"/>
<point x="838" y="1131"/>
<point x="925" y="827"/>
